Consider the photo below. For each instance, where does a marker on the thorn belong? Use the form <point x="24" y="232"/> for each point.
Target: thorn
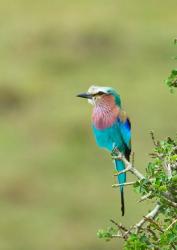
<point x="133" y="158"/>
<point x="153" y="138"/>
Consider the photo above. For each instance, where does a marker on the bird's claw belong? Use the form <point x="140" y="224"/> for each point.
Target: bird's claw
<point x="114" y="151"/>
<point x="115" y="154"/>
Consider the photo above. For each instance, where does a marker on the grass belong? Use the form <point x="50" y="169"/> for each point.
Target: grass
<point x="55" y="183"/>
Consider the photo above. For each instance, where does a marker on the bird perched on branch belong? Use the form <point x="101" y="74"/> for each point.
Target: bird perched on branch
<point x="111" y="126"/>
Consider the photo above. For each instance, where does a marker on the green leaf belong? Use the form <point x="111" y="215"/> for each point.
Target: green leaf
<point x="106" y="234"/>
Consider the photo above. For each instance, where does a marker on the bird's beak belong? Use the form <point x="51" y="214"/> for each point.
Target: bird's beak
<point x="85" y="95"/>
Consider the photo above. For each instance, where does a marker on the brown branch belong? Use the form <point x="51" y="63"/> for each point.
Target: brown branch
<point x="151" y="215"/>
<point x="154" y="222"/>
<point x="121" y="228"/>
<point x="153" y="138"/>
<point x="133" y="158"/>
<point x="152" y="232"/>
<point x="119" y="225"/>
<point x="124" y="233"/>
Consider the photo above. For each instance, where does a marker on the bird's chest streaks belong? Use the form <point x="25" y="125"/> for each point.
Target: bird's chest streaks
<point x="105" y="114"/>
<point x="109" y="138"/>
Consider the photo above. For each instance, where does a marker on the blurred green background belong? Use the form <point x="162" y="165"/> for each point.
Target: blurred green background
<point x="55" y="184"/>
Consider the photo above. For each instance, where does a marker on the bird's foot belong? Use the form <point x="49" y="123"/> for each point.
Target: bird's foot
<point x="116" y="154"/>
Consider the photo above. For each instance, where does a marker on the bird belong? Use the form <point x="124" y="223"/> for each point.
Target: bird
<point x="111" y="127"/>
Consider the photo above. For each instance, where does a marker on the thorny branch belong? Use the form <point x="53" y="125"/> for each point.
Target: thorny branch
<point x="153" y="138"/>
<point x="150" y="218"/>
<point x="116" y="154"/>
<point x="123" y="232"/>
<point x="151" y="215"/>
<point x="153" y="231"/>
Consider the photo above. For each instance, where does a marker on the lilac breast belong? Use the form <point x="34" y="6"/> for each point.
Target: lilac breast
<point x="105" y="113"/>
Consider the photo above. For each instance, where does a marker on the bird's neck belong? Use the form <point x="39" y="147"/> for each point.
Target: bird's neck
<point x="105" y="113"/>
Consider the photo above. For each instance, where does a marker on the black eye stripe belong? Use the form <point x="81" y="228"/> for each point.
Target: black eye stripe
<point x="99" y="93"/>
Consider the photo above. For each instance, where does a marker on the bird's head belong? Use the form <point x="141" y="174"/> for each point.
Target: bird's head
<point x="95" y="94"/>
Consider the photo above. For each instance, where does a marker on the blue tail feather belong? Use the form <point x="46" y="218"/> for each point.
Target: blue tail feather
<point x="122" y="177"/>
<point x="119" y="165"/>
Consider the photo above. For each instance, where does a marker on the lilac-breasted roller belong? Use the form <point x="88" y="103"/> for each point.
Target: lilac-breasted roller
<point x="111" y="126"/>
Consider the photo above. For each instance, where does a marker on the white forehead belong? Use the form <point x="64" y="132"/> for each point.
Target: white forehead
<point x="95" y="89"/>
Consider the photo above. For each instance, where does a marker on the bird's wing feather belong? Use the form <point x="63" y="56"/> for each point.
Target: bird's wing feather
<point x="125" y="130"/>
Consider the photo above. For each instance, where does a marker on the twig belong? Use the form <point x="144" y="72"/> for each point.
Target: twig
<point x="153" y="155"/>
<point x="145" y="197"/>
<point x="152" y="232"/>
<point x="171" y="224"/>
<point x="172" y="203"/>
<point x="124" y="184"/>
<point x="121" y="228"/>
<point x="129" y="231"/>
<point x="116" y="236"/>
<point x="151" y="215"/>
<point x="118" y="225"/>
<point x="118" y="155"/>
<point x="153" y="138"/>
<point x="133" y="158"/>
<point x="123" y="171"/>
<point x="154" y="222"/>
